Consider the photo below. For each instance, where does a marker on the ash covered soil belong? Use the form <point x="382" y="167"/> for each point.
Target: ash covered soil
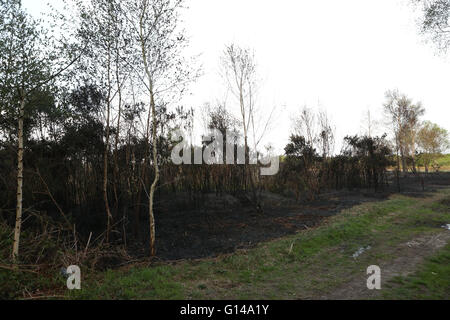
<point x="226" y="223"/>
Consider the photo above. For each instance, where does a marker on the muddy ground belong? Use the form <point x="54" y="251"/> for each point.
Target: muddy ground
<point x="225" y="223"/>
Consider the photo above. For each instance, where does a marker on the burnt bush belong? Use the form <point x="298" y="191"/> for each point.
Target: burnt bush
<point x="362" y="163"/>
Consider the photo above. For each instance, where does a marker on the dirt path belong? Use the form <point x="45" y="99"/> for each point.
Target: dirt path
<point x="410" y="256"/>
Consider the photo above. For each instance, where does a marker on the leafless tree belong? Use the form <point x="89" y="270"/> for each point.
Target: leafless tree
<point x="304" y="125"/>
<point x="327" y="134"/>
<point x="316" y="128"/>
<point x="240" y="72"/>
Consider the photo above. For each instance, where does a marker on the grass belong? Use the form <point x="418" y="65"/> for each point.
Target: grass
<point x="430" y="282"/>
<point x="14" y="284"/>
<point x="444" y="160"/>
<point x="309" y="264"/>
<point x="148" y="283"/>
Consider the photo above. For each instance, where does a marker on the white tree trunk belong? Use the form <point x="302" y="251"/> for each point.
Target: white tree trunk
<point x="17" y="230"/>
<point x="109" y="216"/>
<point x="154" y="137"/>
<point x="155" y="181"/>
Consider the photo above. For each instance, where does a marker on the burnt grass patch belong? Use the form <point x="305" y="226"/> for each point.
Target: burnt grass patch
<point x="224" y="226"/>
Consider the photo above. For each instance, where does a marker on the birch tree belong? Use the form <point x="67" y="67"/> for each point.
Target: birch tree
<point x="30" y="60"/>
<point x="240" y="72"/>
<point x="160" y="43"/>
<point x="403" y="116"/>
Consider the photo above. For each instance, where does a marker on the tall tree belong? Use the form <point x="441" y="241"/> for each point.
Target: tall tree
<point x="160" y="43"/>
<point x="105" y="31"/>
<point x="403" y="117"/>
<point x="30" y="60"/>
<point x="240" y="71"/>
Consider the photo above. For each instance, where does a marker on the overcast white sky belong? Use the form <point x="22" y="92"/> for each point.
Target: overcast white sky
<point x="345" y="54"/>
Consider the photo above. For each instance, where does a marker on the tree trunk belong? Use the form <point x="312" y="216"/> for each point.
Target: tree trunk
<point x="155" y="139"/>
<point x="105" y="189"/>
<point x="105" y="186"/>
<point x="116" y="144"/>
<point x="155" y="181"/>
<point x="397" y="171"/>
<point x="247" y="173"/>
<point x="413" y="154"/>
<point x="105" y="159"/>
<point x="404" y="166"/>
<point x="17" y="230"/>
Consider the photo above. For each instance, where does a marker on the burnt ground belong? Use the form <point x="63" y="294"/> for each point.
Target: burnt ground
<point x="225" y="224"/>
